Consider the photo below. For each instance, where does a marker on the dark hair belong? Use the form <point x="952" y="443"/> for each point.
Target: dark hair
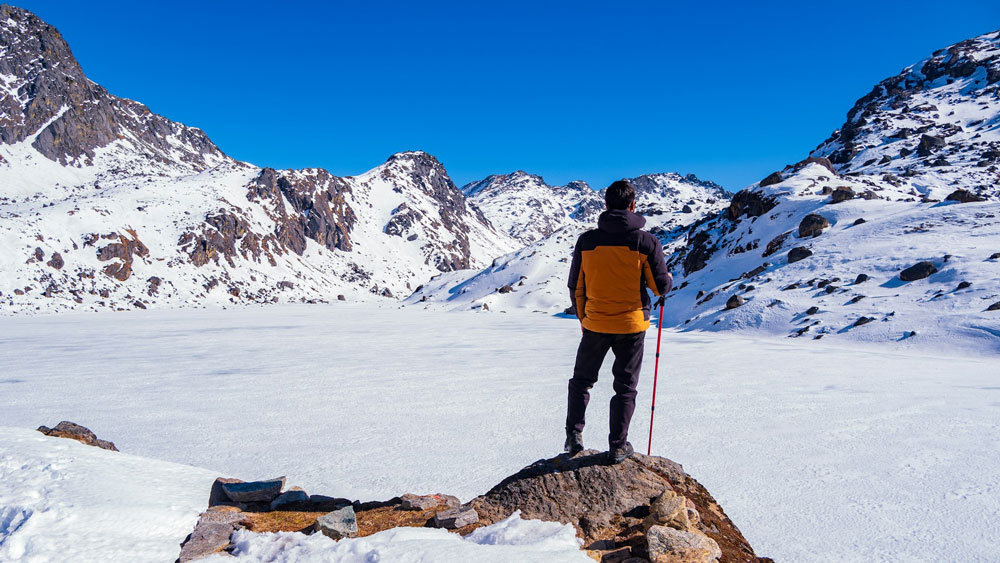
<point x="619" y="195"/>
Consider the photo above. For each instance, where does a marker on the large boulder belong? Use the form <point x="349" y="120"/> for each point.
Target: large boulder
<point x="609" y="502"/>
<point x="812" y="225"/>
<point x="918" y="271"/>
<point x="798" y="253"/>
<point x="842" y="193"/>
<point x="964" y="196"/>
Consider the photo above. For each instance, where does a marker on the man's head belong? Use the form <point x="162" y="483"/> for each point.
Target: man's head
<point x="620" y="195"/>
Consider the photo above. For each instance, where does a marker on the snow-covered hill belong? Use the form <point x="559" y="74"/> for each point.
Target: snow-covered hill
<point x="107" y="205"/>
<point x="534" y="277"/>
<point x="936" y="124"/>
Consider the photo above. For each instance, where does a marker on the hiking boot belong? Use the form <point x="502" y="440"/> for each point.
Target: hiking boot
<point x="621" y="453"/>
<point x="574" y="442"/>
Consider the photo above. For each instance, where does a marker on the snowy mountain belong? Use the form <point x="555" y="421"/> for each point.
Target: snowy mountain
<point x="534" y="277"/>
<point x="819" y="249"/>
<point x="108" y="205"/>
<point x="935" y="124"/>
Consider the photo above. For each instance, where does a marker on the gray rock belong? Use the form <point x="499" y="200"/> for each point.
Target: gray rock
<point x="339" y="524"/>
<point x="734" y="302"/>
<point x="254" y="491"/>
<point x="862" y="278"/>
<point x="211" y="534"/>
<point x="426" y="502"/>
<point x="289" y="498"/>
<point x="455" y="518"/>
<point x="812" y="310"/>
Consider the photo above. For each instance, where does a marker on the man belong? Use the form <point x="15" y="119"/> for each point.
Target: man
<point x="613" y="266"/>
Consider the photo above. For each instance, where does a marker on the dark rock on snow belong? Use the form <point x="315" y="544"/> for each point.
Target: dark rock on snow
<point x="862" y="278"/>
<point x="964" y="196"/>
<point x="917" y="271"/>
<point x="842" y="193"/>
<point x="254" y="491"/>
<point x="812" y="225"/>
<point x="734" y="302"/>
<point x="798" y="253"/>
<point x="812" y="310"/>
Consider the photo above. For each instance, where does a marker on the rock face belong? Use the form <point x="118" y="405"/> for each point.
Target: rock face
<point x="79" y="116"/>
<point x="82" y="434"/>
<point x="608" y="502"/>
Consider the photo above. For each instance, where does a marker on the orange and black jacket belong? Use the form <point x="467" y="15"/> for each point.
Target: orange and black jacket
<point x="612" y="267"/>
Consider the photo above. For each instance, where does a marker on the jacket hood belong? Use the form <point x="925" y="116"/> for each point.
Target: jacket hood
<point x="620" y="221"/>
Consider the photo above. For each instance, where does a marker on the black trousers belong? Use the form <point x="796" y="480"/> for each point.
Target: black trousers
<point x="590" y="355"/>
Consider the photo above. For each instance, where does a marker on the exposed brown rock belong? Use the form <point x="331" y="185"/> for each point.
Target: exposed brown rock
<point x="812" y="225"/>
<point x="82" y="434"/>
<point x="607" y="501"/>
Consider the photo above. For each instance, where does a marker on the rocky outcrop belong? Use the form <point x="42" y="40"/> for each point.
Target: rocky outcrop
<point x="82" y="434"/>
<point x="608" y="503"/>
<point x="78" y="115"/>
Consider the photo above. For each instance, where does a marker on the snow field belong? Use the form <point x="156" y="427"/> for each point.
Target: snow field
<point x="818" y="451"/>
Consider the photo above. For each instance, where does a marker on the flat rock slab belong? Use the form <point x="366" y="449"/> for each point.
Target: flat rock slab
<point x="254" y="491"/>
<point x="455" y="518"/>
<point x="289" y="499"/>
<point x="427" y="502"/>
<point x="211" y="534"/>
<point x="338" y="524"/>
<point x="604" y="501"/>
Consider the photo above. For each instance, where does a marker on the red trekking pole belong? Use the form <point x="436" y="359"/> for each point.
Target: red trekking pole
<point x="656" y="369"/>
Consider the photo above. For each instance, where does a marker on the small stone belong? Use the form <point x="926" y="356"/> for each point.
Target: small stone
<point x="289" y="498"/>
<point x="82" y="434"/>
<point x="863" y="321"/>
<point x="668" y="544"/>
<point x="917" y="271"/>
<point x="341" y="298"/>
<point x="995" y="256"/>
<point x="687" y="209"/>
<point x="734" y="302"/>
<point x="455" y="518"/>
<point x="860" y="221"/>
<point x="426" y="502"/>
<point x="790" y="287"/>
<point x="994" y="307"/>
<point x="812" y="310"/>
<point x="798" y="253"/>
<point x="673" y="510"/>
<point x="855" y="299"/>
<point x="254" y="491"/>
<point x="862" y="278"/>
<point x="339" y="524"/>
<point x="701" y="293"/>
<point x="831" y="288"/>
<point x="505" y="289"/>
<point x="963" y="285"/>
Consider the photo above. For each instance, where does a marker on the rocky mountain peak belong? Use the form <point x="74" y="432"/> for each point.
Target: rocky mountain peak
<point x="45" y="95"/>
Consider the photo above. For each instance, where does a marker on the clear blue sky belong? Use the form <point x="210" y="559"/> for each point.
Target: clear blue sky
<point x="729" y="91"/>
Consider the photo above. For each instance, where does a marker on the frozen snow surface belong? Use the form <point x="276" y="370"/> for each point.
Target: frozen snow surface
<point x="819" y="451"/>
<point x="512" y="539"/>
<point x="63" y="501"/>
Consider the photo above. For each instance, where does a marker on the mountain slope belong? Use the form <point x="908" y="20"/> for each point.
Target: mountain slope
<point x="107" y="205"/>
<point x="534" y="277"/>
<point x="936" y="124"/>
<point x="911" y="179"/>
